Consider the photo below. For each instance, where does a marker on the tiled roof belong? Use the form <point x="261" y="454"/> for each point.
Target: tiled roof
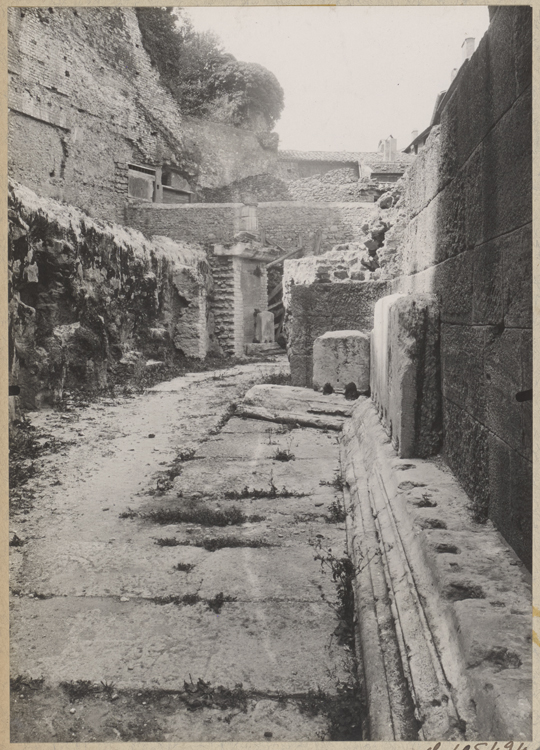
<point x="336" y="156"/>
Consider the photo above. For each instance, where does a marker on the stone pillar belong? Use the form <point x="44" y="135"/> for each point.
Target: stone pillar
<point x="340" y="358"/>
<point x="264" y="328"/>
<point x="405" y="376"/>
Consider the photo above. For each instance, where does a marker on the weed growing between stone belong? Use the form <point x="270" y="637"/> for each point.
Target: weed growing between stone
<point x="184" y="567"/>
<point x="79" y="689"/>
<point x="215" y="604"/>
<point x="342" y="710"/>
<point x="215" y="543"/>
<point x="337" y="482"/>
<point x="345" y="709"/>
<point x="201" y="516"/>
<point x="20" y="682"/>
<point x="231" y="409"/>
<point x="342" y="570"/>
<point x="170" y="541"/>
<point x="283" y="455"/>
<point x="278" y="378"/>
<point x="271" y="492"/>
<point x="336" y="513"/>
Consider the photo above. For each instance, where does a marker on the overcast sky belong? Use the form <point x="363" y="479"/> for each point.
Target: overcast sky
<point x="351" y="75"/>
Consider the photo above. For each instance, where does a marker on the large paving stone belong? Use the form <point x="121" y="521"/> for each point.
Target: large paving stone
<point x="284" y="722"/>
<point x="139" y="644"/>
<point x="261" y="574"/>
<point x="217" y="476"/>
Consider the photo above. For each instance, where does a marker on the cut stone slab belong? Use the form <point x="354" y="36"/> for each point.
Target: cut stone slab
<point x="264" y="327"/>
<point x="340" y="358"/>
<point x="458" y="623"/>
<point x="260" y="574"/>
<point x="287" y="404"/>
<point x="137" y="642"/>
<point x="45" y="714"/>
<point x="405" y="372"/>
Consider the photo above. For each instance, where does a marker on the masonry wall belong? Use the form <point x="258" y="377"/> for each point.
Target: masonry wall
<point x="470" y="241"/>
<point x="226" y="288"/>
<point x="317" y="308"/>
<point x="195" y="222"/>
<point x="338" y="222"/>
<point x="85" y="100"/>
<point x="283" y="222"/>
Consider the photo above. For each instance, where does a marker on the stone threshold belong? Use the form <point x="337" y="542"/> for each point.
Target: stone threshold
<point x="443" y="604"/>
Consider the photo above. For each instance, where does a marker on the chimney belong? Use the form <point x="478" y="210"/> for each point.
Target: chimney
<point x="467" y="48"/>
<point x="414" y="135"/>
<point x="390" y="149"/>
<point x="453" y="74"/>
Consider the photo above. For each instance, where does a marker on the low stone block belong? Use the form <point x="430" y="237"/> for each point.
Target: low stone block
<point x="264" y="327"/>
<point x="405" y="372"/>
<point x="340" y="358"/>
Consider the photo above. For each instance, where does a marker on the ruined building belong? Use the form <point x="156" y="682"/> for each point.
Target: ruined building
<point x="140" y="234"/>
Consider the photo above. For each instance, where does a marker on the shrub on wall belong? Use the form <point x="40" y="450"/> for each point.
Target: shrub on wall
<point x="203" y="78"/>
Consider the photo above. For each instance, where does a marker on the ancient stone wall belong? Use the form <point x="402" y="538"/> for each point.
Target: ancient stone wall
<point x="337" y="186"/>
<point x="470" y="241"/>
<point x="283" y="222"/>
<point x="463" y="232"/>
<point x="90" y="301"/>
<point x="317" y="308"/>
<point x="338" y="222"/>
<point x="194" y="222"/>
<point x="85" y="101"/>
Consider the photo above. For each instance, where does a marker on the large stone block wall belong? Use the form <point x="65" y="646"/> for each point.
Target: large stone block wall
<point x="317" y="308"/>
<point x="90" y="301"/>
<point x="85" y="100"/>
<point x="469" y="241"/>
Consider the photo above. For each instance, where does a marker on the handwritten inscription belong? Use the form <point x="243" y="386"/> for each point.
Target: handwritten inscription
<point x="486" y="746"/>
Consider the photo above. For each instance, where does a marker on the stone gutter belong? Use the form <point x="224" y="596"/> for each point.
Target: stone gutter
<point x="443" y="604"/>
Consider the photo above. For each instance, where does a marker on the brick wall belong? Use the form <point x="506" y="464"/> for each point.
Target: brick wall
<point x="85" y="100"/>
<point x="470" y="241"/>
<point x="223" y="307"/>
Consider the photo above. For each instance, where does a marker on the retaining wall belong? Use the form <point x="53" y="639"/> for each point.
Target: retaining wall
<point x="284" y="222"/>
<point x="470" y="241"/>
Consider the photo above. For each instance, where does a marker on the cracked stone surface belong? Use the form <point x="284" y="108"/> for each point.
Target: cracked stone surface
<point x="85" y="582"/>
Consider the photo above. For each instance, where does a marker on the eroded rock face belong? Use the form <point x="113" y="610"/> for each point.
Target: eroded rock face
<point x="88" y="299"/>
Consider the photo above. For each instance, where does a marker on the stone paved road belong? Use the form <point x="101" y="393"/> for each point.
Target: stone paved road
<point x="164" y="625"/>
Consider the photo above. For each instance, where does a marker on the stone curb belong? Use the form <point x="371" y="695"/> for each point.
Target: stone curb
<point x="443" y="604"/>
